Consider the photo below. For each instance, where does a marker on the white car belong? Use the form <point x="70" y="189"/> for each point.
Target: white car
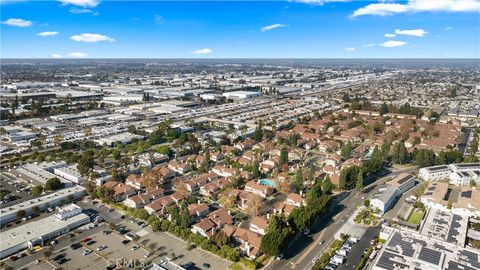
<point x="146" y="255"/>
<point x="86" y="252"/>
<point x="102" y="247"/>
<point x="135" y="248"/>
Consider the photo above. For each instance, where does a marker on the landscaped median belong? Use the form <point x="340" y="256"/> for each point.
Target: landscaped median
<point x="325" y="258"/>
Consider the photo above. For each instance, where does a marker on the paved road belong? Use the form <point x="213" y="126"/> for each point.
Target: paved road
<point x="304" y="249"/>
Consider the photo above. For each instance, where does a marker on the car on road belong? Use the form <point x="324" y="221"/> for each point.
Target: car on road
<point x="321" y="242"/>
<point x="280" y="256"/>
<point x="86" y="252"/>
<point x="111" y="210"/>
<point x="206" y="265"/>
<point x="147" y="254"/>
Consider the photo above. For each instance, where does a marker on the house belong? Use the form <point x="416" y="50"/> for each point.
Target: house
<point x="179" y="167"/>
<point x="221" y="217"/>
<point x="224" y="171"/>
<point x="159" y="206"/>
<point x="135" y="181"/>
<point x="163" y="173"/>
<point x="217" y="156"/>
<point x="120" y="190"/>
<point x="295" y="200"/>
<point x="143" y="199"/>
<point x="205" y="227"/>
<point x="259" y="225"/>
<point x="250" y="242"/>
<point x="260" y="190"/>
<point x="352" y="162"/>
<point x="328" y="146"/>
<point x="198" y="211"/>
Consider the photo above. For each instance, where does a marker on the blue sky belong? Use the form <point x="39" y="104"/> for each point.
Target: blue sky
<point x="267" y="29"/>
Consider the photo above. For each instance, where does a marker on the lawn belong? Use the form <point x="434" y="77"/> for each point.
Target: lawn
<point x="416" y="217"/>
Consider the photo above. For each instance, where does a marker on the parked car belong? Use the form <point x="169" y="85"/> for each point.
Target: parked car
<point x="101" y="247"/>
<point x="86" y="252"/>
<point x="206" y="265"/>
<point x="135" y="248"/>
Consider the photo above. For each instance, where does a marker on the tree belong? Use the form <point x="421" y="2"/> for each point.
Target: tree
<point x="366" y="203"/>
<point x="21" y="214"/>
<point x="58" y="139"/>
<point x="53" y="184"/>
<point x="383" y="109"/>
<point x="86" y="163"/>
<point x="399" y="153"/>
<point x="37" y="191"/>
<point x="220" y="238"/>
<point x="258" y="133"/>
<point x="327" y="185"/>
<point x="347" y="150"/>
<point x="276" y="238"/>
<point x="283" y="158"/>
<point x="359" y="183"/>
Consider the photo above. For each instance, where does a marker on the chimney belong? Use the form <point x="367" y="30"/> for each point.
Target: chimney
<point x="268" y="215"/>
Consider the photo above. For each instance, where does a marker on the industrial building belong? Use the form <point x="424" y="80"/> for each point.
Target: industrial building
<point x="41" y="231"/>
<point x="9" y="214"/>
<point x="460" y="174"/>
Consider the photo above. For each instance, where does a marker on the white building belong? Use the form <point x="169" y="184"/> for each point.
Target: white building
<point x="39" y="232"/>
<point x="403" y="182"/>
<point x="385" y="198"/>
<point x="460" y="174"/>
<point x="9" y="214"/>
<point x="242" y="94"/>
<point x="68" y="211"/>
<point x="69" y="172"/>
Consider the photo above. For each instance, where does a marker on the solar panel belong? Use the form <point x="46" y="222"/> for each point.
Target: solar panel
<point x="452" y="265"/>
<point x="430" y="255"/>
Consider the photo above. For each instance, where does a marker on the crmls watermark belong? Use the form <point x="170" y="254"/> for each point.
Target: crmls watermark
<point x="126" y="263"/>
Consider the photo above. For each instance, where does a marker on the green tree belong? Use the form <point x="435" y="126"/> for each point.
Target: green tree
<point x="383" y="109"/>
<point x="347" y="150"/>
<point x="86" y="163"/>
<point x="283" y="159"/>
<point x="21" y="214"/>
<point x="327" y="185"/>
<point x="53" y="184"/>
<point x="276" y="238"/>
<point x="37" y="191"/>
<point x="399" y="153"/>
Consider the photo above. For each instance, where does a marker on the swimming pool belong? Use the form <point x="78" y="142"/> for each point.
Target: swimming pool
<point x="267" y="182"/>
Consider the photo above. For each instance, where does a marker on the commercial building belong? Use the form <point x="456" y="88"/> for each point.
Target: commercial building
<point x="9" y="214"/>
<point x="70" y="173"/>
<point x="460" y="174"/>
<point x="407" y="250"/>
<point x="241" y="94"/>
<point x="385" y="198"/>
<point x="123" y="138"/>
<point x="40" y="231"/>
<point x="403" y="182"/>
<point x="39" y="173"/>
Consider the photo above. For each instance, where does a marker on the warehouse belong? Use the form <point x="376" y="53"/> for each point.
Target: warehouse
<point x="242" y="94"/>
<point x="39" y="232"/>
<point x="9" y="214"/>
<point x="385" y="198"/>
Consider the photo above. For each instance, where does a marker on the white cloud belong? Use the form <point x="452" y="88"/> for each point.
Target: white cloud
<point x="412" y="32"/>
<point x="75" y="10"/>
<point x="203" y="51"/>
<point x="81" y="3"/>
<point x="56" y="55"/>
<point x="77" y="55"/>
<point x="448" y="28"/>
<point x="393" y="43"/>
<point x="317" y="2"/>
<point x="369" y="45"/>
<point x="17" y="22"/>
<point x="412" y="6"/>
<point x="388" y="35"/>
<point x="89" y="37"/>
<point x="350" y="49"/>
<point x="47" y="33"/>
<point x="158" y="19"/>
<point x="271" y="27"/>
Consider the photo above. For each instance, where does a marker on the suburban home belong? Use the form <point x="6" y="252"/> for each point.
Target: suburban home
<point x="198" y="211"/>
<point x="135" y="181"/>
<point x="250" y="242"/>
<point x="120" y="190"/>
<point x="143" y="199"/>
<point x="179" y="167"/>
<point x="260" y="190"/>
<point x="295" y="200"/>
<point x="259" y="225"/>
<point x="205" y="227"/>
<point x="224" y="171"/>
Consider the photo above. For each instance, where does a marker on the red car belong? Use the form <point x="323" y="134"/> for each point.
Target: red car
<point x="86" y="240"/>
<point x="13" y="258"/>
